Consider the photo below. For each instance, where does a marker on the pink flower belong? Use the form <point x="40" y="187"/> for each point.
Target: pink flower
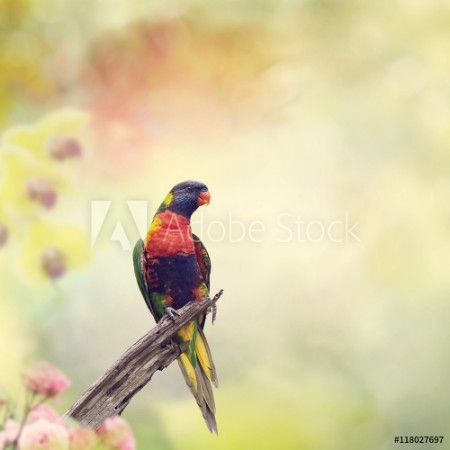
<point x="44" y="412"/>
<point x="116" y="434"/>
<point x="46" y="380"/>
<point x="44" y="435"/>
<point x="10" y="432"/>
<point x="82" y="439"/>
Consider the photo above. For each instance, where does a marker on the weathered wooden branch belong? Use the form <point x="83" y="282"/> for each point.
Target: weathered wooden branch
<point x="112" y="392"/>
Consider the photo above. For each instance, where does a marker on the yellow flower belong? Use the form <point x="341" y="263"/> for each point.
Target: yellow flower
<point x="27" y="185"/>
<point x="51" y="138"/>
<point x="51" y="250"/>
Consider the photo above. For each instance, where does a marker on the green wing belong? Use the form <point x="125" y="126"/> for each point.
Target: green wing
<point x="203" y="260"/>
<point x="139" y="273"/>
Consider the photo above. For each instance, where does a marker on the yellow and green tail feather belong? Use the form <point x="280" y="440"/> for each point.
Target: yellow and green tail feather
<point x="198" y="370"/>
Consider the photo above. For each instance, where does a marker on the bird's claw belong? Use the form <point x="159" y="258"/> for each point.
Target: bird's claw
<point x="213" y="307"/>
<point x="169" y="344"/>
<point x="171" y="312"/>
<point x="217" y="296"/>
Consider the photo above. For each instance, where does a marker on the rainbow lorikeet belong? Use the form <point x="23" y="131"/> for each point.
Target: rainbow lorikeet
<point x="172" y="268"/>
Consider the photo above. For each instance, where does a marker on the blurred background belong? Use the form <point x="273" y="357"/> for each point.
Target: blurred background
<point x="321" y="123"/>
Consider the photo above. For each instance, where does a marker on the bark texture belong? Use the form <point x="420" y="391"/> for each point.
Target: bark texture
<point x="112" y="392"/>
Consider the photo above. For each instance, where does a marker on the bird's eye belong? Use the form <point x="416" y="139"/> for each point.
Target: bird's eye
<point x="189" y="189"/>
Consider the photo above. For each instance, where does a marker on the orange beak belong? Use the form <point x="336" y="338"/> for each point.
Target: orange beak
<point x="204" y="198"/>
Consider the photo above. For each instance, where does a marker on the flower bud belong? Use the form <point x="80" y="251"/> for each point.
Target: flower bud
<point x="61" y="148"/>
<point x="3" y="235"/>
<point x="53" y="262"/>
<point x="42" y="192"/>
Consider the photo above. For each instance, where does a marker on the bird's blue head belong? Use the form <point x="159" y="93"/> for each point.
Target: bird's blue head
<point x="185" y="198"/>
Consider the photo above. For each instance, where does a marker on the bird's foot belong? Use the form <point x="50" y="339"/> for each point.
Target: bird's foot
<point x="213" y="307"/>
<point x="217" y="296"/>
<point x="172" y="313"/>
<point x="169" y="344"/>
